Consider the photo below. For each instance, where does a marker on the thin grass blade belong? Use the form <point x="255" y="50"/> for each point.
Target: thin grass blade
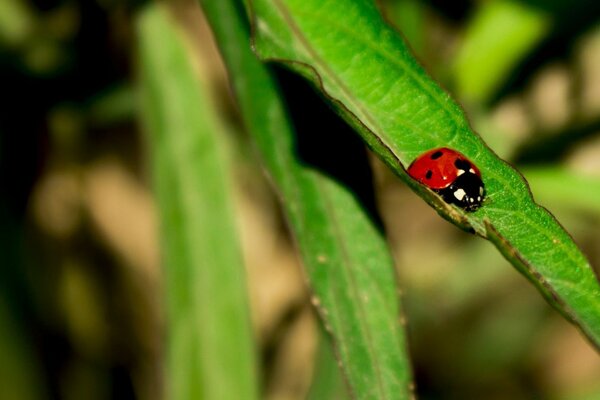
<point x="210" y="344"/>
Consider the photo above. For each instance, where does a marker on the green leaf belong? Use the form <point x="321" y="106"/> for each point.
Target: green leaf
<point x="409" y="17"/>
<point x="498" y="36"/>
<point x="17" y="22"/>
<point x="114" y="105"/>
<point x="210" y="346"/>
<point x="366" y="70"/>
<point x="565" y="188"/>
<point x="345" y="257"/>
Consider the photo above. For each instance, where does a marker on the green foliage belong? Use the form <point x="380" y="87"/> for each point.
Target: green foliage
<point x="565" y="188"/>
<point x="369" y="75"/>
<point x="409" y="17"/>
<point x="79" y="267"/>
<point x="345" y="257"/>
<point x="499" y="35"/>
<point x="16" y="22"/>
<point x="210" y="345"/>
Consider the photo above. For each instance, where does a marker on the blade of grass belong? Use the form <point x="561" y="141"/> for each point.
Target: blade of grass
<point x="210" y="346"/>
<point x="366" y="70"/>
<point x="348" y="266"/>
<point x="498" y="36"/>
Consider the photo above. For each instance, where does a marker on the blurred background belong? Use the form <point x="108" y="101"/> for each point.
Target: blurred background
<point x="81" y="309"/>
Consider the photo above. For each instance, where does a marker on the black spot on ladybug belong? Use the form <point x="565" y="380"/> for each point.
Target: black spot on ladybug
<point x="462" y="164"/>
<point x="436" y="155"/>
<point x="429" y="174"/>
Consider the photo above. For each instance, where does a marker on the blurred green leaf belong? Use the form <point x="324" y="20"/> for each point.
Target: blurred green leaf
<point x="497" y="37"/>
<point x="409" y="17"/>
<point x="210" y="347"/>
<point x="588" y="392"/>
<point x="345" y="257"/>
<point x="565" y="188"/>
<point x="16" y="22"/>
<point x="44" y="56"/>
<point x="113" y="105"/>
<point x="368" y="73"/>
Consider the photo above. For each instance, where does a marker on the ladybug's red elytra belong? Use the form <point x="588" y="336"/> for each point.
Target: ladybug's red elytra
<point x="450" y="174"/>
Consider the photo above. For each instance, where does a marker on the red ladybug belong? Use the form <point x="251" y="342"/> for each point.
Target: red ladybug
<point x="451" y="175"/>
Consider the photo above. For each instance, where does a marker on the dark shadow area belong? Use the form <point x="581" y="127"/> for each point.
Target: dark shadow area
<point x="326" y="143"/>
<point x="456" y="11"/>
<point x="547" y="148"/>
<point x="90" y="62"/>
<point x="23" y="148"/>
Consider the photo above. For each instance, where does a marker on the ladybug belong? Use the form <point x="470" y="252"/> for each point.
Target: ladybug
<point x="451" y="175"/>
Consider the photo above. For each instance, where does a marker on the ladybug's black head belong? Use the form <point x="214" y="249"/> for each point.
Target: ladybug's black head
<point x="467" y="192"/>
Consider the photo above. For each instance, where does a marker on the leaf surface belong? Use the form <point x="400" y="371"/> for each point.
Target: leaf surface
<point x="345" y="257"/>
<point x="210" y="341"/>
<point x="498" y="36"/>
<point x="368" y="73"/>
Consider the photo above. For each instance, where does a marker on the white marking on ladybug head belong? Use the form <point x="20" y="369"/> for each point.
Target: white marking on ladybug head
<point x="471" y="199"/>
<point x="471" y="170"/>
<point x="459" y="194"/>
<point x="478" y="198"/>
<point x="481" y="190"/>
<point x="460" y="172"/>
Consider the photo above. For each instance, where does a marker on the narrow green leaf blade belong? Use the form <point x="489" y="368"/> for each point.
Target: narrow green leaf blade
<point x="349" y="268"/>
<point x="498" y="36"/>
<point x="368" y="73"/>
<point x="210" y="347"/>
